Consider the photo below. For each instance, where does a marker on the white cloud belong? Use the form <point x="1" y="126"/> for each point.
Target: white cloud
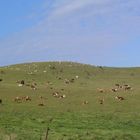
<point x="75" y="5"/>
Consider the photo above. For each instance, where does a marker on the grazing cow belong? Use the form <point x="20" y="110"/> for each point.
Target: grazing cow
<point x="101" y="67"/>
<point x="128" y="87"/>
<point x="33" y="87"/>
<point x="52" y="67"/>
<point x="101" y="101"/>
<point x="117" y="85"/>
<point x="72" y="80"/>
<point x="0" y="101"/>
<point x="67" y="81"/>
<point x="20" y="85"/>
<point x="22" y="82"/>
<point x="62" y="89"/>
<point x="56" y="94"/>
<point x="40" y="104"/>
<point x="59" y="78"/>
<point x="62" y="96"/>
<point x="18" y="99"/>
<point x="114" y="89"/>
<point x="40" y="97"/>
<point x="100" y="90"/>
<point x="85" y="102"/>
<point x="27" y="98"/>
<point x="18" y="82"/>
<point x="1" y="80"/>
<point x="119" y="98"/>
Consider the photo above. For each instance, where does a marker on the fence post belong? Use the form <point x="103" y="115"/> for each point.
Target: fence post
<point x="10" y="137"/>
<point x="47" y="133"/>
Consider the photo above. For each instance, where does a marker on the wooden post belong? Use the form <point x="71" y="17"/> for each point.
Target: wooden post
<point x="40" y="136"/>
<point x="47" y="133"/>
<point x="10" y="137"/>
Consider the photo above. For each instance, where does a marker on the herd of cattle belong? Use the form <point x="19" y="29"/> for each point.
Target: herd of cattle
<point x="56" y="94"/>
<point x="117" y="88"/>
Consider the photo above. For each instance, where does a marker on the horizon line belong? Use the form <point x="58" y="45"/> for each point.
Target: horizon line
<point x="64" y="61"/>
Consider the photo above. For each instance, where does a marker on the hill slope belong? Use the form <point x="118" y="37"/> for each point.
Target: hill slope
<point x="77" y="102"/>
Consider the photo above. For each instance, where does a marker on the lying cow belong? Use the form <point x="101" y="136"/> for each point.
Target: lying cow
<point x="114" y="89"/>
<point x="40" y="104"/>
<point x="119" y="98"/>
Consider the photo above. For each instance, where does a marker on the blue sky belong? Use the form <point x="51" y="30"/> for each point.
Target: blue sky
<point x="97" y="32"/>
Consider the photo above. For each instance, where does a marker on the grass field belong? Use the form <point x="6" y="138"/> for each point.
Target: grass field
<point x="68" y="118"/>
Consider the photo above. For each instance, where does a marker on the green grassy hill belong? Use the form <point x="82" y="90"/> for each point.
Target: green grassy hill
<point x="78" y="116"/>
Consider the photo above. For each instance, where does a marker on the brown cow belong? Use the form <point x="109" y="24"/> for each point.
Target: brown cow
<point x="101" y="100"/>
<point x="27" y="98"/>
<point x="117" y="85"/>
<point x="128" y="87"/>
<point x="56" y="94"/>
<point x="67" y="81"/>
<point x="62" y="89"/>
<point x="101" y="90"/>
<point x="119" y="98"/>
<point x="22" y="82"/>
<point x="85" y="102"/>
<point x="62" y="96"/>
<point x="40" y="104"/>
<point x="72" y="80"/>
<point x="18" y="99"/>
<point x="114" y="89"/>
<point x="33" y="87"/>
